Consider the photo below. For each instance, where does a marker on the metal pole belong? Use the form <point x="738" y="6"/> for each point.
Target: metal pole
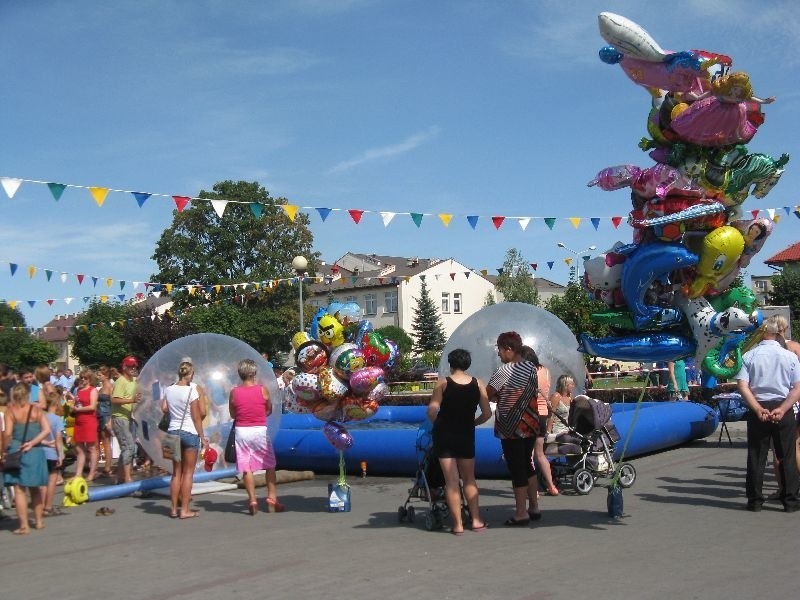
<point x="300" y="285"/>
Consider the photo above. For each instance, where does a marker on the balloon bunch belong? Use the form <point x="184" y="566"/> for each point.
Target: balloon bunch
<point x="343" y="364"/>
<point x="668" y="291"/>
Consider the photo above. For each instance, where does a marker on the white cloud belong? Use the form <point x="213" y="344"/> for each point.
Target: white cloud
<point x="390" y="151"/>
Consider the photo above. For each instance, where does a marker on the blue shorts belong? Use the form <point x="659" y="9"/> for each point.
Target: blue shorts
<point x="189" y="441"/>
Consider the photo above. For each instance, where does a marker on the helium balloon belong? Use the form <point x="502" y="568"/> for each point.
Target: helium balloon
<point x="345" y="359"/>
<point x="311" y="356"/>
<point x="378" y="392"/>
<point x="629" y="38"/>
<point x="720" y="251"/>
<point x="306" y="388"/>
<point x="639" y="347"/>
<point x="330" y="331"/>
<point x="313" y="328"/>
<point x="365" y="379"/>
<point x="375" y="349"/>
<point x="332" y="389"/>
<point x="215" y="358"/>
<point x="337" y="435"/>
<point x="357" y="409"/>
<point x="349" y="312"/>
<point x="394" y="355"/>
<point x="325" y="411"/>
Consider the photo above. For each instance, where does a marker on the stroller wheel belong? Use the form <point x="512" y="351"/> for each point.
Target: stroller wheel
<point x="411" y="514"/>
<point x="583" y="481"/>
<point x="430" y="522"/>
<point x="402" y="513"/>
<point x="627" y="475"/>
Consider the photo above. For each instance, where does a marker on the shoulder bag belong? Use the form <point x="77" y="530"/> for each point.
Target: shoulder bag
<point x="171" y="443"/>
<point x="13" y="460"/>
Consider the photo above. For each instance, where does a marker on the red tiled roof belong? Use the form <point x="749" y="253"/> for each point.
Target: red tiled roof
<point x="789" y="255"/>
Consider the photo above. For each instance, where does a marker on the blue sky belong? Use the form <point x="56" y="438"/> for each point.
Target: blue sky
<point x="464" y="107"/>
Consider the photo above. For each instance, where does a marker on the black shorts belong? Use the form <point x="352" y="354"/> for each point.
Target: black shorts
<point x="454" y="444"/>
<point x="518" y="453"/>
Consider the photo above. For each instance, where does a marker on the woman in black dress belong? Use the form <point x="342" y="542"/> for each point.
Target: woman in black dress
<point x="452" y="409"/>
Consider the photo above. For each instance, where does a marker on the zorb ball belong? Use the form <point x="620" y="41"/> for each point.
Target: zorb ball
<point x="215" y="359"/>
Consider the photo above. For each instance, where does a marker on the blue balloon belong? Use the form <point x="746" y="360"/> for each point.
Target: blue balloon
<point x="639" y="347"/>
<point x="610" y="55"/>
<point x="313" y="329"/>
<point x="647" y="264"/>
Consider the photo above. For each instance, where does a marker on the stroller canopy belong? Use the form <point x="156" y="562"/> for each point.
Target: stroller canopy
<point x="587" y="414"/>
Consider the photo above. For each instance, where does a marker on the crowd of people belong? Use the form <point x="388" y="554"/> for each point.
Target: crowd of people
<point x="526" y="415"/>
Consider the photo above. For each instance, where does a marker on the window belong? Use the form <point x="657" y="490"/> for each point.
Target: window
<point x="371" y="304"/>
<point x="445" y="302"/>
<point x="457" y="303"/>
<point x="351" y="299"/>
<point x="390" y="301"/>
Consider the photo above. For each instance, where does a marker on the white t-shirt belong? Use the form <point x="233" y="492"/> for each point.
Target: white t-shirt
<point x="176" y="396"/>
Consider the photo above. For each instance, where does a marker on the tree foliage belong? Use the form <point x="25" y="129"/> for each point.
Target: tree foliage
<point x="34" y="351"/>
<point x="12" y="334"/>
<point x="98" y="338"/>
<point x="575" y="309"/>
<point x="147" y="331"/>
<point x="252" y="244"/>
<point x="515" y="281"/>
<point x="786" y="292"/>
<point x="427" y="324"/>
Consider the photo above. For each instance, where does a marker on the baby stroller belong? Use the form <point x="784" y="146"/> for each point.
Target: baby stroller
<point x="585" y="451"/>
<point x="428" y="485"/>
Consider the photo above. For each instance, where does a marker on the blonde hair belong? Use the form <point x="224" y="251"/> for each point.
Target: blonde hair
<point x="42" y="373"/>
<point x="185" y="369"/>
<point x="562" y="383"/>
<point x="90" y="374"/>
<point x="20" y="395"/>
<point x="725" y="84"/>
<point x="776" y="324"/>
<point x="247" y="369"/>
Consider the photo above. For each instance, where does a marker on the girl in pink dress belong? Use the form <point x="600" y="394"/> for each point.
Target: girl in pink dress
<point x="250" y="405"/>
<point x="720" y="117"/>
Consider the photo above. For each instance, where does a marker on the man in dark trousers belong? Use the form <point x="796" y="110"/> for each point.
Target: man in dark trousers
<point x="769" y="382"/>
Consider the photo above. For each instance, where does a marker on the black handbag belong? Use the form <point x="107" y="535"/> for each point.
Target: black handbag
<point x="163" y="424"/>
<point x="230" y="446"/>
<point x="12" y="462"/>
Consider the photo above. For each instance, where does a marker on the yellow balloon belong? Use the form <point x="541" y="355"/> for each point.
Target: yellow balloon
<point x="330" y="331"/>
<point x="719" y="255"/>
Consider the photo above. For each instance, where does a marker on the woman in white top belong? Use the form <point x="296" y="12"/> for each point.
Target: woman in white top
<point x="559" y="405"/>
<point x="181" y="399"/>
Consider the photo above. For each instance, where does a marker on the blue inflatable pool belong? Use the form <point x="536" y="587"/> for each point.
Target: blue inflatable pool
<point x="388" y="441"/>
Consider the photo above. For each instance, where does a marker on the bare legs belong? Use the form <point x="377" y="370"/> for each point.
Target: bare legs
<point x="250" y="487"/>
<point x="105" y="442"/>
<point x="80" y="458"/>
<point x="540" y="458"/>
<point x="21" y="504"/>
<point x="180" y="486"/>
<point x="452" y="468"/>
<point x="525" y="500"/>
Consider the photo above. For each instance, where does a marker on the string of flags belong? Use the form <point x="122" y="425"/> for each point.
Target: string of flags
<point x="11" y="186"/>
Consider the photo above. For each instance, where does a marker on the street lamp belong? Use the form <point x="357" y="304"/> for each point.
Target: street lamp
<point x="578" y="254"/>
<point x="300" y="264"/>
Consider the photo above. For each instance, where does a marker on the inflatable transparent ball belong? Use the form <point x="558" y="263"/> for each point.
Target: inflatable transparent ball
<point x="215" y="358"/>
<point x="550" y="338"/>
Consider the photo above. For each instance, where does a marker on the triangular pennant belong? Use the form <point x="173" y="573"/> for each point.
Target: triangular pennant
<point x="467" y="274"/>
<point x="121" y="284"/>
<point x="797" y="212"/>
<point x="104" y="300"/>
<point x="256" y="208"/>
<point x="550" y="264"/>
<point x="323" y="213"/>
<point x="94" y="281"/>
<point x="452" y="276"/>
<point x="523" y="222"/>
<point x="568" y="260"/>
<point x="534" y="266"/>
<point x="755" y="213"/>
<point x="99" y="194"/>
<point x="121" y="297"/>
<point x="56" y="189"/>
<point x="472" y="220"/>
<point x="549" y="221"/>
<point x="13" y="303"/>
<point x="355" y="214"/>
<point x="31" y="271"/>
<point x="445" y="219"/>
<point x="109" y="282"/>
<point x="48" y="274"/>
<point x="616" y="221"/>
<point x="771" y="213"/>
<point x="13" y="268"/>
<point x="788" y="210"/>
<point x="168" y="288"/>
<point x="484" y="272"/>
<point x="291" y="211"/>
<point x="219" y="207"/>
<point x="141" y="198"/>
<point x="417" y="218"/>
<point x="422" y="277"/>
<point x="576" y="221"/>
<point x="10" y="185"/>
<point x="498" y="222"/>
<point x="63" y="277"/>
<point x="181" y="202"/>
<point x="387" y="218"/>
<point x="31" y="303"/>
<point x="80" y="279"/>
<point x="500" y="271"/>
<point x="50" y="302"/>
<point x="776" y="218"/>
<point x="595" y="222"/>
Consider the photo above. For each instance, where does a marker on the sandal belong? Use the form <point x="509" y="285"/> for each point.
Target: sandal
<point x="535" y="515"/>
<point x="104" y="511"/>
<point x="253" y="507"/>
<point x="512" y="522"/>
<point x="21" y="531"/>
<point x="274" y="506"/>
<point x="190" y="515"/>
<point x="481" y="529"/>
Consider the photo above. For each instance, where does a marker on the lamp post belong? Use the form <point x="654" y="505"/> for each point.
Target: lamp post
<point x="578" y="254"/>
<point x="300" y="264"/>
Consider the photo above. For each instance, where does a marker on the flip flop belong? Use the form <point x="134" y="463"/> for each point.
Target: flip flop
<point x="192" y="514"/>
<point x="21" y="531"/>
<point x="457" y="533"/>
<point x="173" y="515"/>
<point x="480" y="529"/>
<point x="512" y="522"/>
<point x="535" y="516"/>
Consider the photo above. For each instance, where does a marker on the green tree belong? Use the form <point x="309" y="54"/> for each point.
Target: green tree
<point x="147" y="331"/>
<point x="489" y="299"/>
<point x="34" y="351"/>
<point x="399" y="336"/>
<point x="427" y="324"/>
<point x="12" y="334"/>
<point x="253" y="244"/>
<point x="99" y="339"/>
<point x="515" y="281"/>
<point x="575" y="309"/>
<point x="786" y="292"/>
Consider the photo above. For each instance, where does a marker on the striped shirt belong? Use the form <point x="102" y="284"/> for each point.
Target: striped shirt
<point x="516" y="387"/>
